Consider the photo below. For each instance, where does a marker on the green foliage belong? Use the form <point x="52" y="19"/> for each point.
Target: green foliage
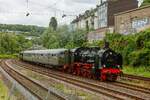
<point x="11" y="43"/>
<point x="62" y="38"/>
<point x="122" y="44"/>
<point x="4" y="91"/>
<point x="142" y="40"/>
<point x="49" y="39"/>
<point x="146" y="2"/>
<point x="140" y="71"/>
<point x="140" y="57"/>
<point x="8" y="56"/>
<point x="27" y="30"/>
<point x="135" y="48"/>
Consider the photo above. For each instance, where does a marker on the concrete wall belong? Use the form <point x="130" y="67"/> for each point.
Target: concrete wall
<point x="99" y="34"/>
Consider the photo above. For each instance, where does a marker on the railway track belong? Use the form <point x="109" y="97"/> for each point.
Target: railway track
<point x="89" y="85"/>
<point x="33" y="87"/>
<point x="133" y="87"/>
<point x="137" y="77"/>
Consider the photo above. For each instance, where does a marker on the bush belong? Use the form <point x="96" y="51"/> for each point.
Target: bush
<point x="140" y="57"/>
<point x="122" y="44"/>
<point x="142" y="39"/>
<point x="134" y="48"/>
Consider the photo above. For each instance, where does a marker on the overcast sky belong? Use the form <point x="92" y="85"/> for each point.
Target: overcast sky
<point x="14" y="11"/>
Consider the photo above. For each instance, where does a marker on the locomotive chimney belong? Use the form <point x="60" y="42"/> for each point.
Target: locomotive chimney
<point x="106" y="44"/>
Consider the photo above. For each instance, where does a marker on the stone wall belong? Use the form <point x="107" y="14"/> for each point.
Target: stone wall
<point x="132" y="21"/>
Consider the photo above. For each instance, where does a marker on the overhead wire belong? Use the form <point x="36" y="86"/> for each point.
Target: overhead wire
<point x="52" y="7"/>
<point x="49" y="7"/>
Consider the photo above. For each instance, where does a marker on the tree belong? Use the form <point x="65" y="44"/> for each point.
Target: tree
<point x="28" y="30"/>
<point x="146" y="2"/>
<point x="11" y="43"/>
<point x="63" y="38"/>
<point x="53" y="23"/>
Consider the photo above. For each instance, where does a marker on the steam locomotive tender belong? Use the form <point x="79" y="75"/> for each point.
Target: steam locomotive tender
<point x="91" y="62"/>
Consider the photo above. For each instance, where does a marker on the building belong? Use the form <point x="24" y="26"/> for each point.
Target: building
<point x="106" y="20"/>
<point x="108" y="8"/>
<point x="97" y="35"/>
<point x="87" y="21"/>
<point x="101" y="19"/>
<point x="132" y="21"/>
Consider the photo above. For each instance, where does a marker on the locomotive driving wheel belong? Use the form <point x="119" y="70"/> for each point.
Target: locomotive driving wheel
<point x="84" y="74"/>
<point x="112" y="77"/>
<point x="89" y="74"/>
<point x="103" y="77"/>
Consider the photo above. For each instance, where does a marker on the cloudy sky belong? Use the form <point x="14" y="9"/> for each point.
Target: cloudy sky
<point x="14" y="11"/>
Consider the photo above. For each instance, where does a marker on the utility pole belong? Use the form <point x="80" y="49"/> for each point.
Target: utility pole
<point x="27" y="14"/>
<point x="55" y="11"/>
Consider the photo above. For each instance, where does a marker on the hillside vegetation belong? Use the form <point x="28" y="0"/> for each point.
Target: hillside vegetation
<point x="11" y="44"/>
<point x="28" y="30"/>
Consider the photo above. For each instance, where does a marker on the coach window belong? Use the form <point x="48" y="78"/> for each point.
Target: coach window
<point x="62" y="53"/>
<point x="50" y="55"/>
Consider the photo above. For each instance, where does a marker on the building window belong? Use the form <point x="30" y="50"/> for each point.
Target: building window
<point x="103" y="15"/>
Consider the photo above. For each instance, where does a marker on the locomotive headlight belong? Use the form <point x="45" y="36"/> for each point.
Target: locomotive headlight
<point x="118" y="66"/>
<point x="104" y="66"/>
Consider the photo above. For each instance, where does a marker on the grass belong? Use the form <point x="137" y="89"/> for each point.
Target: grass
<point x="7" y="56"/>
<point x="139" y="71"/>
<point x="3" y="91"/>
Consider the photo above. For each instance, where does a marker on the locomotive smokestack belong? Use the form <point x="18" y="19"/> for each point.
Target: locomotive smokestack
<point x="106" y="44"/>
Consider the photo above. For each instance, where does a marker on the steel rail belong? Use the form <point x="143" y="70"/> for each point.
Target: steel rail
<point x="137" y="77"/>
<point x="20" y="77"/>
<point x="77" y="82"/>
<point x="133" y="87"/>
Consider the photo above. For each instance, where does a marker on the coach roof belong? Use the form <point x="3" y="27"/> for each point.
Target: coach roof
<point x="48" y="51"/>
